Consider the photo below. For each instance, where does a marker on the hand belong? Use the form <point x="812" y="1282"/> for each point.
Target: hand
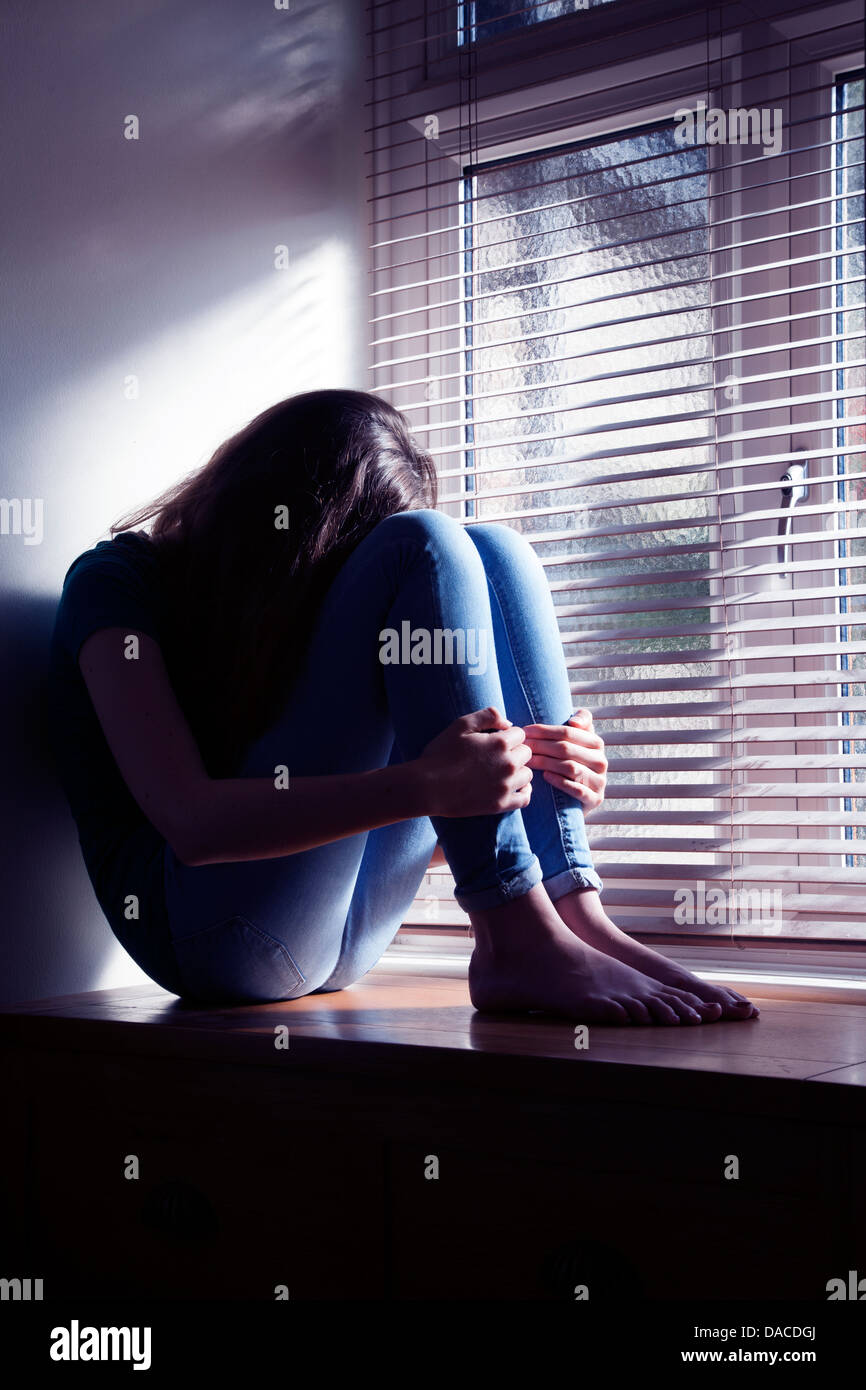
<point x="470" y="772"/>
<point x="571" y="757"/>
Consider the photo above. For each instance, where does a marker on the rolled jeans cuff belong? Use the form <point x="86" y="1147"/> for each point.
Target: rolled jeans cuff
<point x="503" y="892"/>
<point x="569" y="879"/>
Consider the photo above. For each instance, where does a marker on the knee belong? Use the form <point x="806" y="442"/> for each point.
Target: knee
<point x="430" y="530"/>
<point x="498" y="542"/>
<point x="423" y="524"/>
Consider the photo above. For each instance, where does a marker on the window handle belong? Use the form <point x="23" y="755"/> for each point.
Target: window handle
<point x="794" y="489"/>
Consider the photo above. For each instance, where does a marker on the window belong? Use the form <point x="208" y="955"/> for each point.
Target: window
<point x="628" y="337"/>
<point x="478" y="20"/>
<point x="849" y="274"/>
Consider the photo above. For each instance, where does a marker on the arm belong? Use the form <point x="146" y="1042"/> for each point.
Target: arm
<point x="224" y="820"/>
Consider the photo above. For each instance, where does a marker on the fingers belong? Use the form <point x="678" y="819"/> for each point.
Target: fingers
<point x="557" y="740"/>
<point x="571" y="757"/>
<point x="568" y="754"/>
<point x="512" y="738"/>
<point x="567" y="731"/>
<point x="589" y="797"/>
<point x="516" y="797"/>
<point x="570" y="769"/>
<point x="489" y="718"/>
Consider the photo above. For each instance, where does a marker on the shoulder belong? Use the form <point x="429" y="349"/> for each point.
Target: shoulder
<point x="114" y="584"/>
<point x="131" y="553"/>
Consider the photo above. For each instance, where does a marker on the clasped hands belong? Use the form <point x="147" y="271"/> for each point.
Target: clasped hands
<point x="569" y="756"/>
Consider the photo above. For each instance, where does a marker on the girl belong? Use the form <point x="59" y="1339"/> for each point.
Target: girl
<point x="259" y="787"/>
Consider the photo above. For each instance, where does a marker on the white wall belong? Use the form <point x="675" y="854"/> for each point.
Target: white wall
<point x="154" y="259"/>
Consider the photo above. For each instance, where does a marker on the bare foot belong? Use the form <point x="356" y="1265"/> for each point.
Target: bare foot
<point x="527" y="959"/>
<point x="583" y="914"/>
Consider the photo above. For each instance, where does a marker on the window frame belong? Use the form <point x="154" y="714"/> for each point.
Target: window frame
<point x="441" y="73"/>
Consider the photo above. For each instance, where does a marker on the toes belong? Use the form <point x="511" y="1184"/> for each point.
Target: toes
<point x="709" y="1009"/>
<point x="730" y="1003"/>
<point x="638" y="1011"/>
<point x="736" y="998"/>
<point x="737" y="1006"/>
<point x="612" y="1012"/>
<point x="661" y="1011"/>
<point x="687" y="1013"/>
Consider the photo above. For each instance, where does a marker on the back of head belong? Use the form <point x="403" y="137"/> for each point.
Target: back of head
<point x="252" y="541"/>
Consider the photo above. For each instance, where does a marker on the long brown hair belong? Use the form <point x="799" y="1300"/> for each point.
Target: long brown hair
<point x="243" y="589"/>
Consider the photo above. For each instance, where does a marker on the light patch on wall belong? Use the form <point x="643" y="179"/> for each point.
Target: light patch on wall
<point x="197" y="383"/>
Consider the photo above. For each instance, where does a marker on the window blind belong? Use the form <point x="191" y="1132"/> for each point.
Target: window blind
<point x="616" y="285"/>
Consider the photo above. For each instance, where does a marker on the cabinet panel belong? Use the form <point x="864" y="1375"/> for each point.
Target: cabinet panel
<point x="495" y="1226"/>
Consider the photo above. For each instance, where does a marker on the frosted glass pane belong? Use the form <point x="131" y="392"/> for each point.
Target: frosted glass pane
<point x="487" y="19"/>
<point x="554" y="234"/>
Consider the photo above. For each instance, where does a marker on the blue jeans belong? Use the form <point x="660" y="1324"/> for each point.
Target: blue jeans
<point x="317" y="920"/>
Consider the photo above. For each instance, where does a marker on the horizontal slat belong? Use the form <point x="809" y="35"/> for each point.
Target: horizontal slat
<point x="849" y="276"/>
<point x="805" y="136"/>
<point x="600" y="660"/>
<point x="739" y="354"/>
<point x="664" y="603"/>
<point x="721" y="360"/>
<point x="728" y="438"/>
<point x="763" y="873"/>
<point x="469" y="401"/>
<point x="739" y="791"/>
<point x="413" y="112"/>
<point x="726" y="817"/>
<point x="757" y="627"/>
<point x="672" y="446"/>
<point x="662" y="257"/>
<point x="795" y="903"/>
<point x="589" y="557"/>
<point x="777" y="321"/>
<point x="775" y="571"/>
<point x="769" y="680"/>
<point x="658" y="844"/>
<point x="754" y="762"/>
<point x="784" y="926"/>
<point x="730" y="545"/>
<point x="671" y="469"/>
<point x="478" y="297"/>
<point x="831" y="506"/>
<point x="772" y="485"/>
<point x="709" y="411"/>
<point x="787" y="185"/>
<point x="785" y="733"/>
<point x="701" y="202"/>
<point x="705" y="709"/>
<point x="802" y="908"/>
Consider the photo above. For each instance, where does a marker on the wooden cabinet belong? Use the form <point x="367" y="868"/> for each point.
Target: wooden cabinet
<point x="371" y="1167"/>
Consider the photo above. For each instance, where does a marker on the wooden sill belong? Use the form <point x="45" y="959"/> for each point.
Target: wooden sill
<point x="392" y="1019"/>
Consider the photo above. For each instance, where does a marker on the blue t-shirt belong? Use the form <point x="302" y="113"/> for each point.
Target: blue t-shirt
<point x="116" y="584"/>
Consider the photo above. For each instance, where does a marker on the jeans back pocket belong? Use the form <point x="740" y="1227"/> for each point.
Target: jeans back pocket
<point x="235" y="962"/>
